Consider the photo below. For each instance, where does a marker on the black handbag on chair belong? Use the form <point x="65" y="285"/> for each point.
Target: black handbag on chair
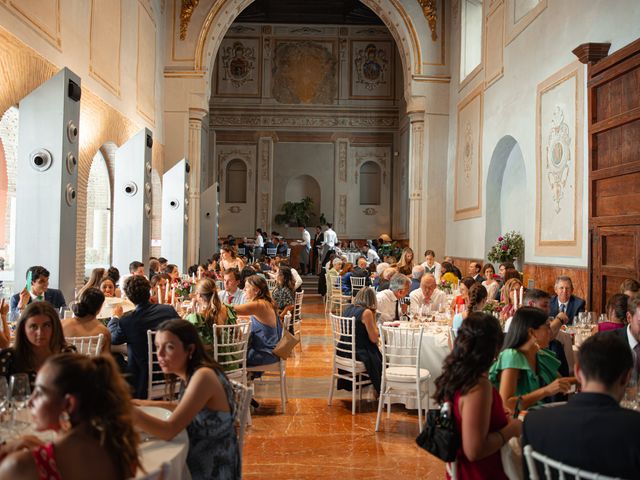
<point x="440" y="436"/>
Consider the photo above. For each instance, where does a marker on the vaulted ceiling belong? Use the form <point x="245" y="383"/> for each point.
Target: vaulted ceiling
<point x="336" y="12"/>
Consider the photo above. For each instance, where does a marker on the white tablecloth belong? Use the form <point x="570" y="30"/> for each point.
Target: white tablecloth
<point x="155" y="452"/>
<point x="434" y="349"/>
<point x="352" y="257"/>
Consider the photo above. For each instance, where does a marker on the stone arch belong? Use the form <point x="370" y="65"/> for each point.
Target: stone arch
<point x="304" y="186"/>
<point x="506" y="203"/>
<point x="223" y="13"/>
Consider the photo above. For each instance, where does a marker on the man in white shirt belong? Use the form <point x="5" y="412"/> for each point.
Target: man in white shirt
<point x="330" y="240"/>
<point x="431" y="266"/>
<point x="231" y="293"/>
<point x="389" y="305"/>
<point x="435" y="298"/>
<point x="304" y="252"/>
<point x="371" y="254"/>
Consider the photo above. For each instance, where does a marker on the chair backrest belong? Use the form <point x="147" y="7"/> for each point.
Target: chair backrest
<point x="242" y="396"/>
<point x="91" y="346"/>
<point x="156" y="382"/>
<point x="335" y="282"/>
<point x="357" y="283"/>
<point x="344" y="336"/>
<point x="401" y="346"/>
<point x="241" y="251"/>
<point x="297" y="313"/>
<point x="288" y="252"/>
<point x="272" y="252"/>
<point x="230" y="346"/>
<point x="271" y="283"/>
<point x="555" y="469"/>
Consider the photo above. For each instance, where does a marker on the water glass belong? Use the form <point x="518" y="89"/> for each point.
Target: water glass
<point x="631" y="396"/>
<point x="20" y="392"/>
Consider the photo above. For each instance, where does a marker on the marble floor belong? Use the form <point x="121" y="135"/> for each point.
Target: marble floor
<point x="314" y="440"/>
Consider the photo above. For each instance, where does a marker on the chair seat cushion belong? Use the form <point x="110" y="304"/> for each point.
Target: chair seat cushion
<point x="405" y="374"/>
<point x="346" y="363"/>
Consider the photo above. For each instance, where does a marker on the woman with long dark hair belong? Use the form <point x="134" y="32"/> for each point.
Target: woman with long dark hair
<point x="205" y="408"/>
<point x="84" y="322"/>
<point x="284" y="293"/>
<point x="86" y="402"/>
<point x="210" y="310"/>
<point x="477" y="406"/>
<point x="476" y="298"/>
<point x="526" y="372"/>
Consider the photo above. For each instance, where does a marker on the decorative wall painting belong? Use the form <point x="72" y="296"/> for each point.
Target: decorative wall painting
<point x="371" y="69"/>
<point x="238" y="67"/>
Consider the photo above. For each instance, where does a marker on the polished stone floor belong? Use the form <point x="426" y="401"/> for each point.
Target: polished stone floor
<point x="314" y="440"/>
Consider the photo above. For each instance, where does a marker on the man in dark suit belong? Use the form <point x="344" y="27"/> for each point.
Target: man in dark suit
<point x="592" y="432"/>
<point x="318" y="240"/>
<point x="38" y="291"/>
<point x="564" y="302"/>
<point x="631" y="333"/>
<point x="474" y="271"/>
<point x="132" y="330"/>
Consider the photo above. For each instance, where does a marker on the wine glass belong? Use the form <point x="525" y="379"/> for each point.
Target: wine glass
<point x="20" y="391"/>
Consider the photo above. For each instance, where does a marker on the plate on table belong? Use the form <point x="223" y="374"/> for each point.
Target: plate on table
<point x="158" y="412"/>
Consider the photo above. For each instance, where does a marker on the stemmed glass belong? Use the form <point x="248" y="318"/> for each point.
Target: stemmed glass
<point x="20" y="391"/>
<point x="5" y="406"/>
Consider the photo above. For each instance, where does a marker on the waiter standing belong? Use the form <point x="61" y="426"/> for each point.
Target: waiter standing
<point x="304" y="252"/>
<point x="318" y="240"/>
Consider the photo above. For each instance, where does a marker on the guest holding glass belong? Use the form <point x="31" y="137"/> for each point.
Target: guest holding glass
<point x="38" y="336"/>
<point x="84" y="322"/>
<point x="86" y="402"/>
<point x="477" y="407"/>
<point x="526" y="372"/>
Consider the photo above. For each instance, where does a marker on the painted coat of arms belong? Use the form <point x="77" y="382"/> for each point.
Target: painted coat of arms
<point x="558" y="157"/>
<point x="371" y="65"/>
<point x="238" y="63"/>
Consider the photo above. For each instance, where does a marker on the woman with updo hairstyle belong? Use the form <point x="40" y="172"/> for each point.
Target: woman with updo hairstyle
<point x="616" y="311"/>
<point x="209" y="310"/>
<point x="38" y="336"/>
<point x="476" y="405"/>
<point x="84" y="322"/>
<point x="476" y="300"/>
<point x="86" y="402"/>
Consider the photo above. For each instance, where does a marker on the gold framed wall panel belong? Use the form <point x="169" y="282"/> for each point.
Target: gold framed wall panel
<point x="98" y="55"/>
<point x="24" y="10"/>
<point x="494" y="44"/>
<point x="515" y="26"/>
<point x="146" y="64"/>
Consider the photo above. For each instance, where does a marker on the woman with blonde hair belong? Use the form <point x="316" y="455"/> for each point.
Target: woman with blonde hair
<point x="86" y="402"/>
<point x="405" y="265"/>
<point x="95" y="279"/>
<point x="511" y="287"/>
<point x="209" y="310"/>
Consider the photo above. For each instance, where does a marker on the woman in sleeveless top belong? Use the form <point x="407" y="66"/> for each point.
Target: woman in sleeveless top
<point x="206" y="407"/>
<point x="477" y="407"/>
<point x="266" y="329"/>
<point x="86" y="402"/>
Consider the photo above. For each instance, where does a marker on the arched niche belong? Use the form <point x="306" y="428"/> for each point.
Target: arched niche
<point x="507" y="205"/>
<point x="304" y="186"/>
<point x="98" y="214"/>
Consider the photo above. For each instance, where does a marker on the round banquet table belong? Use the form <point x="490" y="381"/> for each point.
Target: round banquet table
<point x="433" y="350"/>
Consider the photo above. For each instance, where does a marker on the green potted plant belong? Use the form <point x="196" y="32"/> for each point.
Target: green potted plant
<point x="295" y="213"/>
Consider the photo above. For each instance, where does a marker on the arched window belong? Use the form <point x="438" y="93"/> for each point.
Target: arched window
<point x="8" y="171"/>
<point x="470" y="37"/>
<point x="98" y="232"/>
<point x="236" y="186"/>
<point x="370" y="183"/>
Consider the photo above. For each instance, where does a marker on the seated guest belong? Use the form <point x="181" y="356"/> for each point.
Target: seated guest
<point x="477" y="407"/>
<point x="159" y="291"/>
<point x="296" y="276"/>
<point x="135" y="268"/>
<point x="38" y="291"/>
<point x="336" y="268"/>
<point x="476" y="299"/>
<point x="244" y="274"/>
<point x="503" y="267"/>
<point x="84" y="322"/>
<point x="266" y="328"/>
<point x="163" y="263"/>
<point x="427" y="296"/>
<point x="631" y="334"/>
<point x="454" y="269"/>
<point x="108" y="287"/>
<point x="389" y="301"/>
<point x="448" y="274"/>
<point x="405" y="264"/>
<point x="38" y="336"/>
<point x="510" y="288"/>
<point x="345" y="275"/>
<point x="526" y="373"/>
<point x="173" y="272"/>
<point x="86" y="402"/>
<point x="385" y="277"/>
<point x="592" y="432"/>
<point x="490" y="283"/>
<point x="564" y="301"/>
<point x="114" y="274"/>
<point x="458" y="304"/>
<point x="206" y="407"/>
<point x="616" y="311"/>
<point x="431" y="266"/>
<point x="363" y="309"/>
<point x="269" y="245"/>
<point x="209" y="310"/>
<point x="229" y="259"/>
<point x="282" y="247"/>
<point x="132" y="330"/>
<point x="361" y="271"/>
<point x="416" y="276"/>
<point x="97" y="274"/>
<point x="371" y="254"/>
<point x="283" y="294"/>
<point x="473" y="270"/>
<point x="232" y="294"/>
<point x="154" y="267"/>
<point x="630" y="287"/>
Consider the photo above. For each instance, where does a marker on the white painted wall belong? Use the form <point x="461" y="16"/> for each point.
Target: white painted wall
<point x="543" y="48"/>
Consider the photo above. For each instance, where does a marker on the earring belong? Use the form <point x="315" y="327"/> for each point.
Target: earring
<point x="65" y="421"/>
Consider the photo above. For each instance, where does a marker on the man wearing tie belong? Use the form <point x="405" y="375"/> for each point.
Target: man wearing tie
<point x="564" y="304"/>
<point x="631" y="334"/>
<point x="231" y="294"/>
<point x="37" y="291"/>
<point x="389" y="306"/>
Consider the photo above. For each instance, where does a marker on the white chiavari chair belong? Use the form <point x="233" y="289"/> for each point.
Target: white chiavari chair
<point x="90" y="346"/>
<point x="555" y="469"/>
<point x="297" y="318"/>
<point x="230" y="344"/>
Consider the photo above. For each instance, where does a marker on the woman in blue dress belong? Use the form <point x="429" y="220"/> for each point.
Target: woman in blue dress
<point x="206" y="407"/>
<point x="265" y="324"/>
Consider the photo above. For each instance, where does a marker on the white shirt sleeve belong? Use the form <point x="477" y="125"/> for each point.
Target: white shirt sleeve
<point x="296" y="277"/>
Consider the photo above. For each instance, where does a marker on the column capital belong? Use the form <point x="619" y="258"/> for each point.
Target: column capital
<point x="416" y="106"/>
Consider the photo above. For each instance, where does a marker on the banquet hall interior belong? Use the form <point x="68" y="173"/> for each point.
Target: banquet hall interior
<point x="219" y="133"/>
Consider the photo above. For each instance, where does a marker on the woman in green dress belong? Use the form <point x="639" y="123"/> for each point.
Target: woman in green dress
<point x="209" y="310"/>
<point x="526" y="372"/>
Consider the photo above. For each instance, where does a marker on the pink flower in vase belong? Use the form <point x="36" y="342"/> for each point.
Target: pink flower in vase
<point x="504" y="248"/>
<point x="500" y="238"/>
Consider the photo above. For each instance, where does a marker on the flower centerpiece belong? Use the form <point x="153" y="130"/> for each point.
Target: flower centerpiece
<point x="445" y="286"/>
<point x="508" y="248"/>
<point x="183" y="288"/>
<point x="493" y="308"/>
